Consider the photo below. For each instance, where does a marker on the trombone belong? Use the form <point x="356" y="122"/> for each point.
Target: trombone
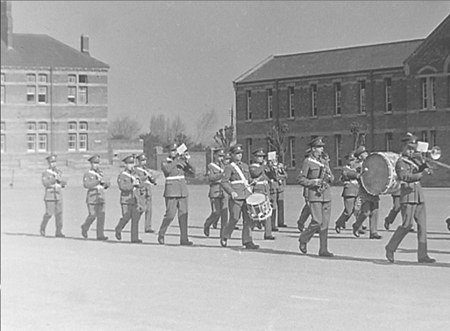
<point x="432" y="155"/>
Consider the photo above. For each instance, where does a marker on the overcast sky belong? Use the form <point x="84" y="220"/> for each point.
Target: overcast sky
<point x="182" y="57"/>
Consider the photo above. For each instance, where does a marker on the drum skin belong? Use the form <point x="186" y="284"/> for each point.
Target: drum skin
<point x="379" y="176"/>
<point x="258" y="207"/>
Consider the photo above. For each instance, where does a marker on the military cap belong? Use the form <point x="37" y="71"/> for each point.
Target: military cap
<point x="236" y="149"/>
<point x="259" y="152"/>
<point x="316" y="142"/>
<point x="360" y="150"/>
<point x="172" y="147"/>
<point x="227" y="156"/>
<point x="219" y="152"/>
<point x="51" y="158"/>
<point x="128" y="159"/>
<point x="141" y="157"/>
<point x="410" y="140"/>
<point x="350" y="156"/>
<point x="94" y="159"/>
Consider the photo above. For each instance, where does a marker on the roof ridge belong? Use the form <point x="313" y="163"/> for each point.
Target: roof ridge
<point x="349" y="47"/>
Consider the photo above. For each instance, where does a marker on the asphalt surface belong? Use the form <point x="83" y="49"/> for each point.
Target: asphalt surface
<point x="82" y="284"/>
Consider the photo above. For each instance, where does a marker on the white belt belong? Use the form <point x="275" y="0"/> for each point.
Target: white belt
<point x="353" y="181"/>
<point x="174" y="177"/>
<point x="262" y="182"/>
<point x="239" y="182"/>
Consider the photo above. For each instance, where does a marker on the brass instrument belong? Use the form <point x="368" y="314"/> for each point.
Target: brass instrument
<point x="325" y="178"/>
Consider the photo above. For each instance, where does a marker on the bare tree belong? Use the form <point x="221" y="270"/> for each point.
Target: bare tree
<point x="124" y="127"/>
<point x="175" y="127"/>
<point x="277" y="139"/>
<point x="158" y="126"/>
<point x="204" y="125"/>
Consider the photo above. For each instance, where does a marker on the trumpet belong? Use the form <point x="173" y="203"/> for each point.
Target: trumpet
<point x="431" y="155"/>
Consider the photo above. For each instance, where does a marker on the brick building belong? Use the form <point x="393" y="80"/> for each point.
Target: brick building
<point x="53" y="97"/>
<point x="385" y="89"/>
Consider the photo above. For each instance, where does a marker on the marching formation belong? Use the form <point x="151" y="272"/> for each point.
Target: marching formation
<point x="255" y="192"/>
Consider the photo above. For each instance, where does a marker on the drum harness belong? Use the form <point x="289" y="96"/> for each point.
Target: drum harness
<point x="241" y="175"/>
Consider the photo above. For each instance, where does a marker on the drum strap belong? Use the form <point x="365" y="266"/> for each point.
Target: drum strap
<point x="239" y="172"/>
<point x="212" y="164"/>
<point x="316" y="162"/>
<point x="411" y="163"/>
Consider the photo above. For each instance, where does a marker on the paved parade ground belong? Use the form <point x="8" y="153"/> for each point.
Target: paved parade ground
<point x="84" y="284"/>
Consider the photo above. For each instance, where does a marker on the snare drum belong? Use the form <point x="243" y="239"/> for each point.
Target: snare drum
<point x="379" y="175"/>
<point x="258" y="207"/>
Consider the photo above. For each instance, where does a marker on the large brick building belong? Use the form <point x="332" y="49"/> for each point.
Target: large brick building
<point x="385" y="89"/>
<point x="53" y="97"/>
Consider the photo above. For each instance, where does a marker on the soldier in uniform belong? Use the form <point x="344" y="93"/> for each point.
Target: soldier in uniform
<point x="96" y="184"/>
<point x="219" y="203"/>
<point x="259" y="174"/>
<point x="277" y="183"/>
<point x="146" y="180"/>
<point x="176" y="193"/>
<point x="396" y="207"/>
<point x="306" y="211"/>
<point x="128" y="182"/>
<point x="370" y="203"/>
<point x="53" y="183"/>
<point x="410" y="171"/>
<point x="350" y="191"/>
<point x="235" y="183"/>
<point x="317" y="176"/>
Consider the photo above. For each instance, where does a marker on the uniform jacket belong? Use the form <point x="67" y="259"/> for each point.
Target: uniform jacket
<point x="278" y="180"/>
<point x="409" y="173"/>
<point x="258" y="174"/>
<point x="313" y="169"/>
<point x="146" y="180"/>
<point x="215" y="174"/>
<point x="127" y="181"/>
<point x="52" y="181"/>
<point x="232" y="181"/>
<point x="174" y="170"/>
<point x="93" y="181"/>
<point x="350" y="179"/>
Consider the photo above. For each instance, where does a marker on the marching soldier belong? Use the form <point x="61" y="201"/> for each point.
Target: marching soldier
<point x="370" y="203"/>
<point x="410" y="171"/>
<point x="96" y="184"/>
<point x="259" y="174"/>
<point x="219" y="203"/>
<point x="277" y="184"/>
<point x="226" y="161"/>
<point x="235" y="183"/>
<point x="350" y="191"/>
<point x="396" y="207"/>
<point x="317" y="176"/>
<point x="176" y="193"/>
<point x="128" y="182"/>
<point x="53" y="183"/>
<point x="146" y="181"/>
<point x="306" y="211"/>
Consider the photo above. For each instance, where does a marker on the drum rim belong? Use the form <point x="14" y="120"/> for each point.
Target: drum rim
<point x="390" y="176"/>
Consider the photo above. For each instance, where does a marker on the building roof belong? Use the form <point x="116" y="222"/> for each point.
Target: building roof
<point x="351" y="59"/>
<point x="37" y="50"/>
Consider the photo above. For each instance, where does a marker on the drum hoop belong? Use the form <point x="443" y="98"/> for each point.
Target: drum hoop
<point x="390" y="176"/>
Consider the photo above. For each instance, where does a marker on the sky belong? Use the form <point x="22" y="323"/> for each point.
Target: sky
<point x="181" y="58"/>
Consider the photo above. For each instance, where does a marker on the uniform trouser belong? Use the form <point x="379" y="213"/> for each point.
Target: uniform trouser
<point x="321" y="212"/>
<point x="148" y="213"/>
<point x="53" y="208"/>
<point x="304" y="214"/>
<point x="368" y="209"/>
<point x="238" y="207"/>
<point x="396" y="207"/>
<point x="278" y="209"/>
<point x="96" y="211"/>
<point x="349" y="208"/>
<point x="174" y="204"/>
<point x="219" y="209"/>
<point x="410" y="212"/>
<point x="130" y="211"/>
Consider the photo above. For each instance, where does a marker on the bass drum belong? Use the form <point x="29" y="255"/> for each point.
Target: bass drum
<point x="379" y="175"/>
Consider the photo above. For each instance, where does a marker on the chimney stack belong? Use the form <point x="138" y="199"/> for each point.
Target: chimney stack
<point x="85" y="44"/>
<point x="7" y="23"/>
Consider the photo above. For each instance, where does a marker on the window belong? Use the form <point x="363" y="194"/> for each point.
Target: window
<point x="249" y="143"/>
<point x="337" y="146"/>
<point x="429" y="93"/>
<point x="31" y="126"/>
<point x="433" y="140"/>
<point x="388" y="141"/>
<point x="362" y="96"/>
<point x="83" y="142"/>
<point x="82" y="79"/>
<point x="42" y="143"/>
<point x="31" y="78"/>
<point x="291" y="152"/>
<point x="42" y="79"/>
<point x="72" y="79"/>
<point x="71" y="94"/>
<point x="424" y="136"/>
<point x="42" y="95"/>
<point x="83" y="126"/>
<point x="3" y="78"/>
<point x="72" y="142"/>
<point x="291" y="103"/>
<point x="388" y="96"/>
<point x="314" y="100"/>
<point x="248" y="113"/>
<point x="3" y="143"/>
<point x="31" y="93"/>
<point x="269" y="104"/>
<point x="42" y="126"/>
<point x="72" y="126"/>
<point x="337" y="99"/>
<point x="82" y="95"/>
<point x="3" y="94"/>
<point x="31" y="142"/>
